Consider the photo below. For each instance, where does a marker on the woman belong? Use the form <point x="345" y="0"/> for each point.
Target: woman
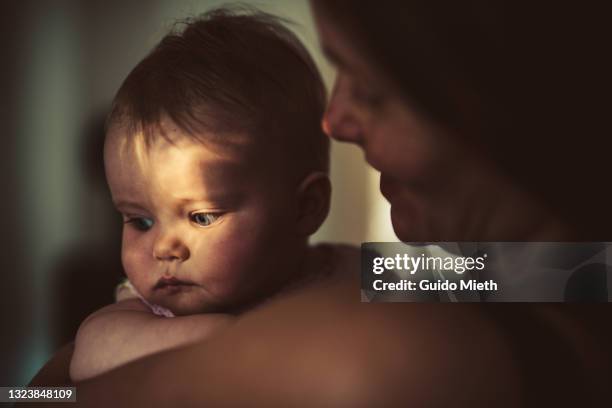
<point x="472" y="113"/>
<point x="418" y="93"/>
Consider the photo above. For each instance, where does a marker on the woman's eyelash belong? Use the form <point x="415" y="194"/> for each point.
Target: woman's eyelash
<point x="204" y="219"/>
<point x="368" y="97"/>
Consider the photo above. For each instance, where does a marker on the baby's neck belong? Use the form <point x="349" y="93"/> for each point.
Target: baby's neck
<point x="316" y="262"/>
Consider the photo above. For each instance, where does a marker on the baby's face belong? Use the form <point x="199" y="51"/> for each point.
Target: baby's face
<point x="203" y="230"/>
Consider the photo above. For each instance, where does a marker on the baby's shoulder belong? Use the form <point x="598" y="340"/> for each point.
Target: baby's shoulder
<point x="338" y="260"/>
<point x="326" y="265"/>
<point x="343" y="256"/>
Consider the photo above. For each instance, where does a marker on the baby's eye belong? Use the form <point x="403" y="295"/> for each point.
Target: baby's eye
<point x="140" y="223"/>
<point x="204" y="219"/>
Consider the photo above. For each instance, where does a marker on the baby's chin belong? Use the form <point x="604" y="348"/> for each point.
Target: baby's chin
<point x="183" y="304"/>
<point x="196" y="300"/>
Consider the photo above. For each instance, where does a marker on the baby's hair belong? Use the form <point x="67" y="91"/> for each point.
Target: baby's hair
<point x="227" y="72"/>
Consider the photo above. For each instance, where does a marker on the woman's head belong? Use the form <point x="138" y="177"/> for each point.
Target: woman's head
<point x="470" y="108"/>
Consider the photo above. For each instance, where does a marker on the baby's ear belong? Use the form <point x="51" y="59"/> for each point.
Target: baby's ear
<point x="313" y="198"/>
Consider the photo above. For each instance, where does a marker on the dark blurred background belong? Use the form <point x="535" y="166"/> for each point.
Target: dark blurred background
<point x="61" y="63"/>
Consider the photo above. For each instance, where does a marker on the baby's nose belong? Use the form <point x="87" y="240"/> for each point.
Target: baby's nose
<point x="170" y="248"/>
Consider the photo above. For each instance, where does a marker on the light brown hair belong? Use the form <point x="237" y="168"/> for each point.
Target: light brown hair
<point x="231" y="71"/>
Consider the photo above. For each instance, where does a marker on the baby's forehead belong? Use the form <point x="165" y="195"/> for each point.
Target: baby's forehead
<point x="252" y="151"/>
<point x="183" y="158"/>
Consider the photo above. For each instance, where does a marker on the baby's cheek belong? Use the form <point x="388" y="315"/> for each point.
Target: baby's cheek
<point x="224" y="267"/>
<point x="223" y="273"/>
<point x="135" y="263"/>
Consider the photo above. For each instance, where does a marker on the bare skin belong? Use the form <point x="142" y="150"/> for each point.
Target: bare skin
<point x="322" y="347"/>
<point x="198" y="220"/>
<point x="127" y="330"/>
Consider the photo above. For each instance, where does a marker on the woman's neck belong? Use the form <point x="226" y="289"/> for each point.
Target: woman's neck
<point x="517" y="216"/>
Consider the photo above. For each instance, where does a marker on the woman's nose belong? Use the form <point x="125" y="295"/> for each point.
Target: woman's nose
<point x="169" y="247"/>
<point x="340" y="120"/>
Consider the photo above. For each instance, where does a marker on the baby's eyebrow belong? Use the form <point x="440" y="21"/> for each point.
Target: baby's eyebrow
<point x="127" y="204"/>
<point x="222" y="170"/>
<point x="223" y="198"/>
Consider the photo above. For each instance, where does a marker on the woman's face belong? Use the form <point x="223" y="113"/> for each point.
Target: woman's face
<point x="429" y="181"/>
<point x="439" y="190"/>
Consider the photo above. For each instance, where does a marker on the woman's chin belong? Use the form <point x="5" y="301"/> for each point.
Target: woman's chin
<point x="405" y="224"/>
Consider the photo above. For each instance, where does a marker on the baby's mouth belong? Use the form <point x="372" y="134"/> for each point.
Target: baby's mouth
<point x="171" y="283"/>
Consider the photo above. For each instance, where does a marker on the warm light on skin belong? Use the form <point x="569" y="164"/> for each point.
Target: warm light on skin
<point x="132" y="148"/>
<point x="251" y="245"/>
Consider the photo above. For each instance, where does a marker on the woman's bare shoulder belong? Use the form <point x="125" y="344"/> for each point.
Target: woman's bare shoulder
<point x="385" y="354"/>
<point x="501" y="353"/>
<point x="321" y="346"/>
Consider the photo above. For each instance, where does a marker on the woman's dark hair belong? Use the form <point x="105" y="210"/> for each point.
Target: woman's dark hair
<point x="525" y="82"/>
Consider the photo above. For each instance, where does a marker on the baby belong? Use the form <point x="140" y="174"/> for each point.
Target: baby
<point x="215" y="159"/>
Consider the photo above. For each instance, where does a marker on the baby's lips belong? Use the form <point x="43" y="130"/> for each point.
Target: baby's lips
<point x="163" y="282"/>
